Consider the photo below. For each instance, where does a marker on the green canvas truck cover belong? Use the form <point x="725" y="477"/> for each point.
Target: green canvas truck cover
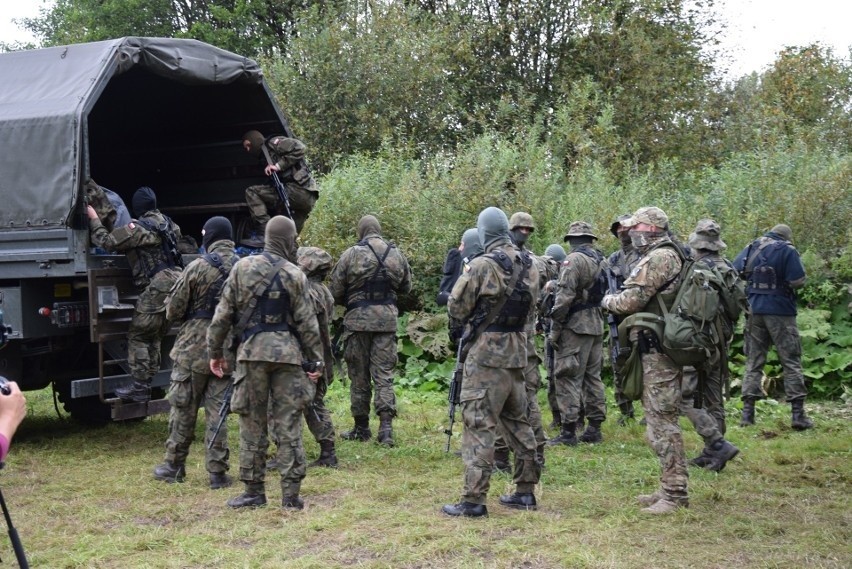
<point x="45" y="95"/>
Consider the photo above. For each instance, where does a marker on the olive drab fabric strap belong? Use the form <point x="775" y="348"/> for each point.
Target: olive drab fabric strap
<point x="258" y="291"/>
<point x="495" y="310"/>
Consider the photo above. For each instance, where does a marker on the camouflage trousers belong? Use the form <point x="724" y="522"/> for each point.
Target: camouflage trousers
<point x="532" y="382"/>
<point x="661" y="400"/>
<point x="286" y="390"/>
<point x="705" y="424"/>
<point x="578" y="364"/>
<point x="763" y="330"/>
<point x="144" y="337"/>
<point x="712" y="396"/>
<point x="495" y="400"/>
<point x="370" y="359"/>
<point x="263" y="199"/>
<point x="318" y="417"/>
<point x="188" y="392"/>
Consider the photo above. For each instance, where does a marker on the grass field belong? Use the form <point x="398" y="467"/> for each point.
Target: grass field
<point x="84" y="497"/>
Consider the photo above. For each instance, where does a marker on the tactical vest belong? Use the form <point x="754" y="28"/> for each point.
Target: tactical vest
<point x="666" y="297"/>
<point x="759" y="274"/>
<point x="513" y="315"/>
<point x="595" y="291"/>
<point x="298" y="172"/>
<point x="378" y="288"/>
<point x="166" y="256"/>
<point x="206" y="305"/>
<point x="272" y="310"/>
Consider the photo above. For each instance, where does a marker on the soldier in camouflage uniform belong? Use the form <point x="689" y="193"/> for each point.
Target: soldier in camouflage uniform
<point x="155" y="267"/>
<point x="268" y="298"/>
<point x="707" y="247"/>
<point x="110" y="207"/>
<point x="493" y="394"/>
<point x="521" y="226"/>
<point x="287" y="157"/>
<point x="316" y="264"/>
<point x="471" y="249"/>
<point x="656" y="273"/>
<point x="621" y="262"/>
<point x="553" y="256"/>
<point x="577" y="338"/>
<point x="192" y="302"/>
<point x="366" y="280"/>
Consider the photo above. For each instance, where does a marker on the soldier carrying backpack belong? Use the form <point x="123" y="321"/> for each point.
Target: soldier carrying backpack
<point x="773" y="269"/>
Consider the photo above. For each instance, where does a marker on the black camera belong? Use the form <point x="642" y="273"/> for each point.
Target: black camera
<point x="4" y="386"/>
<point x="311" y="367"/>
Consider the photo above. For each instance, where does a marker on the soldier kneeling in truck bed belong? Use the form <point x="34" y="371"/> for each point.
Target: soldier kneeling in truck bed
<point x="150" y="243"/>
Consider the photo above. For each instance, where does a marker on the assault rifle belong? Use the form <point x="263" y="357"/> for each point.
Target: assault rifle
<point x="617" y="353"/>
<point x="283" y="194"/>
<point x="455" y="392"/>
<point x="223" y="413"/>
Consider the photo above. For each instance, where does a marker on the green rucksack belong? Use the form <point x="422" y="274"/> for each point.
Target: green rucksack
<point x="691" y="330"/>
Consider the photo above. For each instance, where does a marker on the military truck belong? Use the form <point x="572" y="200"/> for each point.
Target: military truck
<point x="129" y="112"/>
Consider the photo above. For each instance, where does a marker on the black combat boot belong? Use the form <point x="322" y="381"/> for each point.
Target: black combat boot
<point x="136" y="392"/>
<point x="568" y="436"/>
<point x="170" y="472"/>
<point x="220" y="480"/>
<point x="361" y="431"/>
<point x="800" y="421"/>
<point x="292" y="503"/>
<point x="627" y="413"/>
<point x="501" y="460"/>
<point x="519" y="501"/>
<point x="703" y="459"/>
<point x="720" y="453"/>
<point x="748" y="412"/>
<point x="557" y="420"/>
<point x="592" y="434"/>
<point x="385" y="436"/>
<point x="327" y="456"/>
<point x="466" y="509"/>
<point x="253" y="497"/>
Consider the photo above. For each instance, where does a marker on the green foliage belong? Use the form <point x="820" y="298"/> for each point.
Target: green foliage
<point x="424" y="354"/>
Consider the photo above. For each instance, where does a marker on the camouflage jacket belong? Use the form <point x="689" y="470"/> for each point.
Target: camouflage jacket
<point x="301" y="342"/>
<point x="143" y="248"/>
<point x="656" y="272"/>
<point x="324" y="309"/>
<point x="477" y="290"/>
<point x="189" y="295"/>
<point x="289" y="155"/>
<point x="541" y="266"/>
<point x="353" y="270"/>
<point x="578" y="273"/>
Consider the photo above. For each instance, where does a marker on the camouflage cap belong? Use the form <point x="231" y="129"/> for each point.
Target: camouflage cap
<point x="580" y="229"/>
<point x="617" y="223"/>
<point x="521" y="219"/>
<point x="650" y="215"/>
<point x="313" y="260"/>
<point x="783" y="231"/>
<point x="707" y="236"/>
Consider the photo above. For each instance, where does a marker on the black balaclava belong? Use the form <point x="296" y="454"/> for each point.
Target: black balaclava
<point x="144" y="200"/>
<point x="281" y="237"/>
<point x="216" y="229"/>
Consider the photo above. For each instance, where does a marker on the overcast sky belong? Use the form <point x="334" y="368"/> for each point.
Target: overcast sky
<point x="757" y="29"/>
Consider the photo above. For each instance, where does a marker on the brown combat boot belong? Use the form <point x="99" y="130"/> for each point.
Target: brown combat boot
<point x="665" y="506"/>
<point x="650" y="499"/>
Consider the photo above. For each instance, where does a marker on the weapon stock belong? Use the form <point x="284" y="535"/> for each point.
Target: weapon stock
<point x="282" y="193"/>
<point x="223" y="413"/>
<point x="455" y="392"/>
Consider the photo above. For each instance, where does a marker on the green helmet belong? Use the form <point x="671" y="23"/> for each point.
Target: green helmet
<point x="521" y="219"/>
